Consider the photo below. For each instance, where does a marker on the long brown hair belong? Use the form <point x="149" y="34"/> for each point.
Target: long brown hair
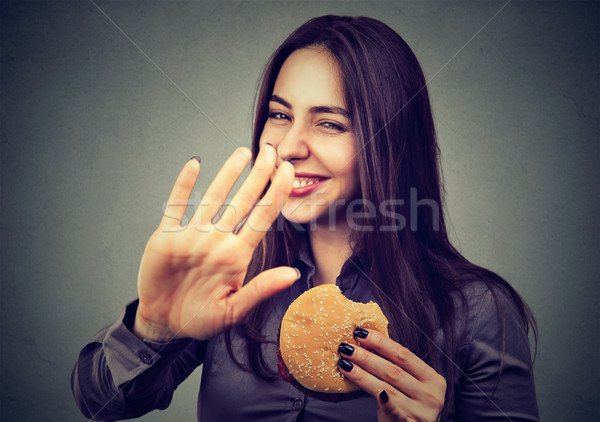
<point x="409" y="258"/>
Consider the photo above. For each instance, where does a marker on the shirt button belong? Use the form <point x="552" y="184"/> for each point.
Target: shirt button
<point x="298" y="404"/>
<point x="145" y="357"/>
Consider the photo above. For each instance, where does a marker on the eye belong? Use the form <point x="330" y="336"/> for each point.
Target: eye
<point x="333" y="126"/>
<point x="278" y="116"/>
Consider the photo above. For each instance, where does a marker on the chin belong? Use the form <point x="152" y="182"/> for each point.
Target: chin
<point x="306" y="217"/>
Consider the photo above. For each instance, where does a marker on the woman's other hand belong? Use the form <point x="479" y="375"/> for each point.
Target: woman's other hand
<point x="406" y="388"/>
<point x="190" y="282"/>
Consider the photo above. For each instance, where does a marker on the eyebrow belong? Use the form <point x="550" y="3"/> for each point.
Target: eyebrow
<point x="315" y="109"/>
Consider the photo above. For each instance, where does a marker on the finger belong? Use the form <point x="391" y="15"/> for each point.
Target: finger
<point x="382" y="368"/>
<point x="370" y="383"/>
<point x="250" y="191"/>
<point x="217" y="192"/>
<point x="266" y="211"/>
<point x="180" y="194"/>
<point x="261" y="287"/>
<point x="398" y="354"/>
<point x="386" y="411"/>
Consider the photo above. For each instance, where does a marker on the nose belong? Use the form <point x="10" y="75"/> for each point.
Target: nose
<point x="294" y="143"/>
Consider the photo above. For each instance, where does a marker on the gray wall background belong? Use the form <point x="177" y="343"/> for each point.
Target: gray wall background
<point x="96" y="124"/>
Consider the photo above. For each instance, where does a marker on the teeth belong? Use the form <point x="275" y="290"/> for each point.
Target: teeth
<point x="302" y="183"/>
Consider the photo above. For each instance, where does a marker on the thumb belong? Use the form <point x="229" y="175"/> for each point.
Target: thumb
<point x="263" y="286"/>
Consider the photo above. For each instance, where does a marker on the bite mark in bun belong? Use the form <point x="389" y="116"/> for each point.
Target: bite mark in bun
<point x="312" y="329"/>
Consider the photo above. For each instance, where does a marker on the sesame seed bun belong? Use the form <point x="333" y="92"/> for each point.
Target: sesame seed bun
<point x="312" y="329"/>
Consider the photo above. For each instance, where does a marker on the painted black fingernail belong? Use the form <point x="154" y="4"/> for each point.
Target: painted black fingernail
<point x="345" y="349"/>
<point x="195" y="157"/>
<point x="384" y="397"/>
<point x="345" y="364"/>
<point x="360" y="332"/>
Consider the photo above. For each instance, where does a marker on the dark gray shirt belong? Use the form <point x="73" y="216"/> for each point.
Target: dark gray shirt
<point x="119" y="376"/>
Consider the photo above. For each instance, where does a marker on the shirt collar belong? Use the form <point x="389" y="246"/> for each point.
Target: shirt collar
<point x="352" y="270"/>
<point x="303" y="260"/>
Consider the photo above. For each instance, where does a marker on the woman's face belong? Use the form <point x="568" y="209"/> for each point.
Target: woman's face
<point x="309" y="124"/>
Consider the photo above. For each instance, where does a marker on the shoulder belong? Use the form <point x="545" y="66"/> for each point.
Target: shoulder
<point x="492" y="331"/>
<point x="492" y="363"/>
<point x="487" y="310"/>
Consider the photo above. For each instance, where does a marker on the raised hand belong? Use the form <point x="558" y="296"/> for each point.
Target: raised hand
<point x="190" y="281"/>
<point x="406" y="388"/>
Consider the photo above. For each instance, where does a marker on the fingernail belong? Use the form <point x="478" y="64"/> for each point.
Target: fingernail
<point x="360" y="332"/>
<point x="384" y="397"/>
<point x="345" y="364"/>
<point x="345" y="349"/>
<point x="299" y="274"/>
<point x="195" y="157"/>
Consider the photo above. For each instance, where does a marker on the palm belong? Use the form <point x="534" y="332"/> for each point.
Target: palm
<point x="191" y="277"/>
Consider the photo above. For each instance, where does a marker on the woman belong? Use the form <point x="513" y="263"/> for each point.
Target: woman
<point x="345" y="188"/>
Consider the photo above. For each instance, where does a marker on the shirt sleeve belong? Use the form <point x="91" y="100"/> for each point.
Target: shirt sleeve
<point x="119" y="376"/>
<point x="496" y="376"/>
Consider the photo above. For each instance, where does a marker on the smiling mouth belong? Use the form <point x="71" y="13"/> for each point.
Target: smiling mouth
<point x="303" y="185"/>
<point x="300" y="182"/>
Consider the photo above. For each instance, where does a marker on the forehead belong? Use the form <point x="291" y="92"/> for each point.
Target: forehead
<point x="310" y="77"/>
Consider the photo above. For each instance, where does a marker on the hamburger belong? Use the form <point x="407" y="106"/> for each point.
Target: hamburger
<point x="312" y="328"/>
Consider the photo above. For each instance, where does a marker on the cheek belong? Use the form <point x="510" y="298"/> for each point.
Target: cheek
<point x="263" y="138"/>
<point x="348" y="168"/>
<point x="272" y="135"/>
<point x="352" y="181"/>
<point x="267" y="133"/>
<point x="354" y="185"/>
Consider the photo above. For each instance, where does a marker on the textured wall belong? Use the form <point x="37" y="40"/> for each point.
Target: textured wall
<point x="101" y="110"/>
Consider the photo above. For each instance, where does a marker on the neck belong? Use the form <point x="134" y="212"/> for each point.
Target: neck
<point x="330" y="251"/>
